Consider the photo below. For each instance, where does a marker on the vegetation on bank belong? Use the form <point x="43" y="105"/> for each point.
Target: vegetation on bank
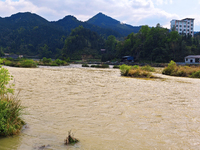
<point x="182" y="71"/>
<point x="100" y="66"/>
<point x="49" y="62"/>
<point x="116" y="66"/>
<point x="10" y="107"/>
<point x="152" y="45"/>
<point x="29" y="63"/>
<point x="26" y="63"/>
<point x="137" y="71"/>
<point x="85" y="65"/>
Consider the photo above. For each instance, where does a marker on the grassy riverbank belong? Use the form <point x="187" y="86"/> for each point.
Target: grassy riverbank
<point x="29" y="63"/>
<point x="182" y="71"/>
<point x="10" y="107"/>
<point x="49" y="62"/>
<point x="26" y="63"/>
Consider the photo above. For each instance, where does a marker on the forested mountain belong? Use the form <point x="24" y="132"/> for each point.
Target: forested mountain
<point x="26" y="33"/>
<point x="70" y="22"/>
<point x="83" y="43"/>
<point x="30" y="34"/>
<point x="107" y="22"/>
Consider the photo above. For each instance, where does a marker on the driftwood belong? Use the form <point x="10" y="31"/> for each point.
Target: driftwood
<point x="70" y="139"/>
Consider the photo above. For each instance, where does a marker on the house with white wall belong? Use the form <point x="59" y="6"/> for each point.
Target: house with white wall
<point x="192" y="59"/>
<point x="184" y="26"/>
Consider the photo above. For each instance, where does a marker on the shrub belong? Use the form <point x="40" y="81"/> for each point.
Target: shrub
<point x="53" y="64"/>
<point x="148" y="68"/>
<point x="135" y="71"/>
<point x="59" y="62"/>
<point x="195" y="74"/>
<point x="85" y="65"/>
<point x="100" y="66"/>
<point x="170" y="69"/>
<point x="28" y="63"/>
<point x="182" y="71"/>
<point x="10" y="121"/>
<point x="104" y="66"/>
<point x="8" y="63"/>
<point x="124" y="69"/>
<point x="10" y="108"/>
<point x="116" y="66"/>
<point x="139" y="73"/>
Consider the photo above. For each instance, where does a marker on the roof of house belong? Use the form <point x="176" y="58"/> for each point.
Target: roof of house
<point x="193" y="56"/>
<point x="188" y="19"/>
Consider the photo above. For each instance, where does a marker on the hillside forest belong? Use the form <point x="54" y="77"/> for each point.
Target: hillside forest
<point x="31" y="35"/>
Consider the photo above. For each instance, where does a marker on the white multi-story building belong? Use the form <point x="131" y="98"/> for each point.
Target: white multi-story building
<point x="184" y="26"/>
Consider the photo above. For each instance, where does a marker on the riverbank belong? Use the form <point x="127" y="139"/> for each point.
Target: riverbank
<point x="100" y="107"/>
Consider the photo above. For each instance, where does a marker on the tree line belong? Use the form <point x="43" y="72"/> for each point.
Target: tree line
<point x="154" y="44"/>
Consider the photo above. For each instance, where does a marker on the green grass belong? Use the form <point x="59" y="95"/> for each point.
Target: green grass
<point x="26" y="63"/>
<point x="48" y="62"/>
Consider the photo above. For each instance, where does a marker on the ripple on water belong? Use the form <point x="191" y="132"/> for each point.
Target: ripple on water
<point x="105" y="111"/>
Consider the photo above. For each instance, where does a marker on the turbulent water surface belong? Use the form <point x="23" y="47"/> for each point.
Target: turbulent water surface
<point x="104" y="110"/>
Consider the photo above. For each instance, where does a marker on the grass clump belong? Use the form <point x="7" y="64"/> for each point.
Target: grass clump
<point x="10" y="108"/>
<point x="116" y="66"/>
<point x="100" y="66"/>
<point x="182" y="71"/>
<point x="134" y="71"/>
<point x="70" y="139"/>
<point x="85" y="65"/>
<point x="148" y="68"/>
<point x="49" y="62"/>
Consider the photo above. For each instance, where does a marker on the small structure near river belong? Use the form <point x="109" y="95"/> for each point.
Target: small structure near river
<point x="192" y="59"/>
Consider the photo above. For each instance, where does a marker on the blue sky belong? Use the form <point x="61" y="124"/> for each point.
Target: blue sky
<point x="133" y="12"/>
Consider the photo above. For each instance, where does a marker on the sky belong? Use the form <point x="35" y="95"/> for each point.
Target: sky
<point x="133" y="12"/>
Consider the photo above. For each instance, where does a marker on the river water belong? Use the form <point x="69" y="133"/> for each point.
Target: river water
<point x="104" y="110"/>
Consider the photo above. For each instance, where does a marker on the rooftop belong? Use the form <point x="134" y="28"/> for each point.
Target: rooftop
<point x="193" y="56"/>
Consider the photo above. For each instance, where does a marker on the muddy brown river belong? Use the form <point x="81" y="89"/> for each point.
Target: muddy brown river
<point x="105" y="111"/>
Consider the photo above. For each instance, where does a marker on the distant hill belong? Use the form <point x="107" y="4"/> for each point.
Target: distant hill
<point x="27" y="33"/>
<point x="70" y="22"/>
<point x="104" y="21"/>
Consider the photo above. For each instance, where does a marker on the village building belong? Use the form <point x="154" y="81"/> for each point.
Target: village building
<point x="192" y="59"/>
<point x="184" y="26"/>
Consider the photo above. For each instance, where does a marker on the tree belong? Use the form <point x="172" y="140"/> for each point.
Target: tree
<point x="44" y="51"/>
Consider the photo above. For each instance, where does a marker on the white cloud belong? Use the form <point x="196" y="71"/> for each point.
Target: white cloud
<point x="161" y="2"/>
<point x="133" y="12"/>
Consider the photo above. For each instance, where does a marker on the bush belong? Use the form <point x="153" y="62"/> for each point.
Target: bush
<point x="28" y="63"/>
<point x="135" y="71"/>
<point x="10" y="108"/>
<point x="182" y="71"/>
<point x="116" y="66"/>
<point x="59" y="62"/>
<point x="124" y="69"/>
<point x="195" y="74"/>
<point x="148" y="68"/>
<point x="8" y="63"/>
<point x="139" y="73"/>
<point x="170" y="69"/>
<point x="100" y="66"/>
<point x="85" y="65"/>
